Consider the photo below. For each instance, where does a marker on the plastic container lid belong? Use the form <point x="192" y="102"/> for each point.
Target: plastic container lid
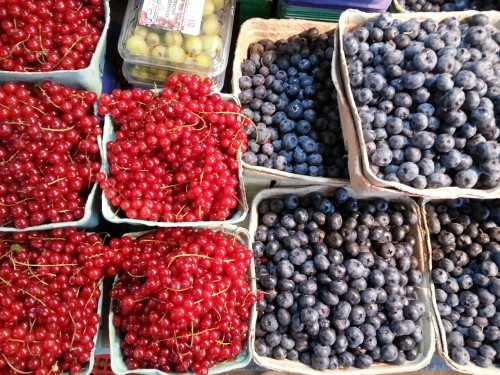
<point x="366" y="5"/>
<point x="151" y="76"/>
<point x="167" y="49"/>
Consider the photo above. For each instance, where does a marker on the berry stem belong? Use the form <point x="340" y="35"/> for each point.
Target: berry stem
<point x="13" y="367"/>
<point x="187" y="255"/>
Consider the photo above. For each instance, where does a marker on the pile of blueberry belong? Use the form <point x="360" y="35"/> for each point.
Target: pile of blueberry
<point x="288" y="93"/>
<point x="448" y="5"/>
<point x="339" y="279"/>
<point x="428" y="97"/>
<point x="465" y="238"/>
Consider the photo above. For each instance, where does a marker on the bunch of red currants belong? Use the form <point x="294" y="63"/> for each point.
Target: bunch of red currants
<point x="49" y="153"/>
<point x="49" y="295"/>
<point x="183" y="300"/>
<point x="175" y="157"/>
<point x="44" y="36"/>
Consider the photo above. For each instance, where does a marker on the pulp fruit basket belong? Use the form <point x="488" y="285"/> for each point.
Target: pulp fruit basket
<point x="89" y="78"/>
<point x="118" y="364"/>
<point x="113" y="215"/>
<point x="362" y="177"/>
<point x="253" y="31"/>
<point x="426" y="348"/>
<point x="441" y="341"/>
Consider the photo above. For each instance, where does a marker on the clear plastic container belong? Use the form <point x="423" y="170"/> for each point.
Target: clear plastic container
<point x="365" y="5"/>
<point x="150" y="76"/>
<point x="206" y="53"/>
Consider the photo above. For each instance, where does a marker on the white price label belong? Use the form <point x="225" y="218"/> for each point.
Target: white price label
<point x="177" y="15"/>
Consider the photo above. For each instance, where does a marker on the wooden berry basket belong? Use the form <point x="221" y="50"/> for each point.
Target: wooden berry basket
<point x="89" y="78"/>
<point x="426" y="347"/>
<point x="242" y="360"/>
<point x="109" y="213"/>
<point x="362" y="177"/>
<point x="252" y="31"/>
<point x="442" y="346"/>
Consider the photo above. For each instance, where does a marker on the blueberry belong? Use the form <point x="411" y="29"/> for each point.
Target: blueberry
<point x="425" y="60"/>
<point x="467" y="178"/>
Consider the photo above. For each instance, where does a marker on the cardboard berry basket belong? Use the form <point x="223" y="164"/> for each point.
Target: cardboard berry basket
<point x="89" y="220"/>
<point x="252" y="31"/>
<point x="89" y="78"/>
<point x="426" y="347"/>
<point x="442" y="346"/>
<point x="112" y="215"/>
<point x="240" y="361"/>
<point x="362" y="177"/>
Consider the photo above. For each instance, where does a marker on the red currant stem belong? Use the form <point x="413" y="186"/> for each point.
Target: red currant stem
<point x="58" y="130"/>
<point x="106" y="236"/>
<point x="68" y="51"/>
<point x="18" y="202"/>
<point x="32" y="324"/>
<point x="178" y="290"/>
<point x="208" y="134"/>
<point x="34" y="107"/>
<point x="15" y="45"/>
<point x="221" y="291"/>
<point x="45" y="265"/>
<point x="13" y="367"/>
<point x="36" y="276"/>
<point x="201" y="118"/>
<point x="41" y="39"/>
<point x="10" y="159"/>
<point x="177" y="215"/>
<point x="54" y="368"/>
<point x="17" y="340"/>
<point x="239" y="201"/>
<point x="93" y="292"/>
<point x="173" y="185"/>
<point x="47" y="95"/>
<point x="18" y="123"/>
<point x="22" y="290"/>
<point x="158" y="241"/>
<point x="74" y="329"/>
<point x="186" y="336"/>
<point x="137" y="276"/>
<point x="218" y="313"/>
<point x="57" y="180"/>
<point x="221" y="342"/>
<point x="187" y="255"/>
<point x="248" y="294"/>
<point x="192" y="336"/>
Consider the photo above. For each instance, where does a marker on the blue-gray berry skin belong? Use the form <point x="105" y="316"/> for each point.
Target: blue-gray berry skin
<point x="291" y="82"/>
<point x="320" y="283"/>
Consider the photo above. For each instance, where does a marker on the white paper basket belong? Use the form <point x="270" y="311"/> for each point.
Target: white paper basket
<point x="241" y="360"/>
<point x="362" y="177"/>
<point x="442" y="345"/>
<point x="89" y="78"/>
<point x="251" y="31"/>
<point x="110" y="214"/>
<point x="426" y="347"/>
